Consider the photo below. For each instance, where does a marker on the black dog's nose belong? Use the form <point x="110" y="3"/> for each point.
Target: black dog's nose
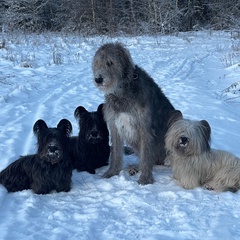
<point x="52" y="149"/>
<point x="184" y="140"/>
<point x="99" y="80"/>
<point x="94" y="134"/>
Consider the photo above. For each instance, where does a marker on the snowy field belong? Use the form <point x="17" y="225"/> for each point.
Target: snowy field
<point x="48" y="76"/>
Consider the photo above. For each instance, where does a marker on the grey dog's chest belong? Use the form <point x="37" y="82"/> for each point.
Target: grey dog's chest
<point x="126" y="126"/>
<point x="124" y="122"/>
<point x="124" y="114"/>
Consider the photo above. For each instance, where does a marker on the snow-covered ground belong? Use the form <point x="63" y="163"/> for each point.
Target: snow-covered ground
<point x="48" y="76"/>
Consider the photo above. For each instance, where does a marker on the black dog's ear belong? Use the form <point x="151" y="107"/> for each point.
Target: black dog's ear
<point x="206" y="129"/>
<point x="65" y="126"/>
<point x="39" y="126"/>
<point x="100" y="108"/>
<point x="78" y="111"/>
<point x="174" y="116"/>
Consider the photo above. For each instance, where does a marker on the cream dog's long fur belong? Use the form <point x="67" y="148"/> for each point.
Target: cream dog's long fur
<point x="193" y="162"/>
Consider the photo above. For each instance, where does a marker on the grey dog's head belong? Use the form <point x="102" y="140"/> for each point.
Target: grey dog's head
<point x="112" y="64"/>
<point x="187" y="137"/>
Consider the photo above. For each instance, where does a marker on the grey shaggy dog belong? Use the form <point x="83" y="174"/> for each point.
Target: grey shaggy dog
<point x="136" y="110"/>
<point x="193" y="162"/>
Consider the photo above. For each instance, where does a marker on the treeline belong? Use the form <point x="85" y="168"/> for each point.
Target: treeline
<point x="110" y="17"/>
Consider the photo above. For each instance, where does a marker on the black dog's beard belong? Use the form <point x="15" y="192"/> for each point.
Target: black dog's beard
<point x="94" y="139"/>
<point x="52" y="157"/>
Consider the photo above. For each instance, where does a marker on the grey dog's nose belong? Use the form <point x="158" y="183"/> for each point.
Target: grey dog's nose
<point x="184" y="140"/>
<point x="99" y="80"/>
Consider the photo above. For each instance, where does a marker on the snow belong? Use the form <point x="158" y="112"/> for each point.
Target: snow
<point x="47" y="76"/>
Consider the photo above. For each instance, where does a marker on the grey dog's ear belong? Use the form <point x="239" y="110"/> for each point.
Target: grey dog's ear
<point x="206" y="129"/>
<point x="174" y="116"/>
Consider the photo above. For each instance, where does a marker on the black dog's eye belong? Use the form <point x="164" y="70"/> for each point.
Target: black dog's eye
<point x="109" y="63"/>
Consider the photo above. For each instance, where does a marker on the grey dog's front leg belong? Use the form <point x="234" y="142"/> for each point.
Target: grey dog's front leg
<point x="146" y="160"/>
<point x="116" y="154"/>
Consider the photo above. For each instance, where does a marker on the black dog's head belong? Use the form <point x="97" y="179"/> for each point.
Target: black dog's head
<point x="52" y="142"/>
<point x="92" y="127"/>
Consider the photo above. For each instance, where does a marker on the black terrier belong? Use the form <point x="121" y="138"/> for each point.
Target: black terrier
<point x="90" y="149"/>
<point x="47" y="170"/>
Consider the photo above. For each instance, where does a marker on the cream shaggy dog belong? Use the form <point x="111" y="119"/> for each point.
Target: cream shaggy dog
<point x="193" y="162"/>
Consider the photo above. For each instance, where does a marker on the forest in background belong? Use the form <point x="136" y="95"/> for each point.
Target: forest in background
<point x="114" y="17"/>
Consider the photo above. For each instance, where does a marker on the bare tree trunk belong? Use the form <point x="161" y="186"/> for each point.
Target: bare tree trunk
<point x="93" y="12"/>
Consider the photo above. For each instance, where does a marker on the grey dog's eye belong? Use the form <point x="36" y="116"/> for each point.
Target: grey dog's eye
<point x="109" y="63"/>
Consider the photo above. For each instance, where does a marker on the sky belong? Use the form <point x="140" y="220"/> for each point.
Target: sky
<point x="47" y="76"/>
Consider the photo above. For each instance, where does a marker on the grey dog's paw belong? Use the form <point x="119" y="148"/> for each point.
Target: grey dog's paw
<point x="110" y="173"/>
<point x="144" y="180"/>
<point x="133" y="170"/>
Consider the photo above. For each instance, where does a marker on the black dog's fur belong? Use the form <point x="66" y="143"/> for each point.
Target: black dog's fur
<point x="47" y="170"/>
<point x="90" y="149"/>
